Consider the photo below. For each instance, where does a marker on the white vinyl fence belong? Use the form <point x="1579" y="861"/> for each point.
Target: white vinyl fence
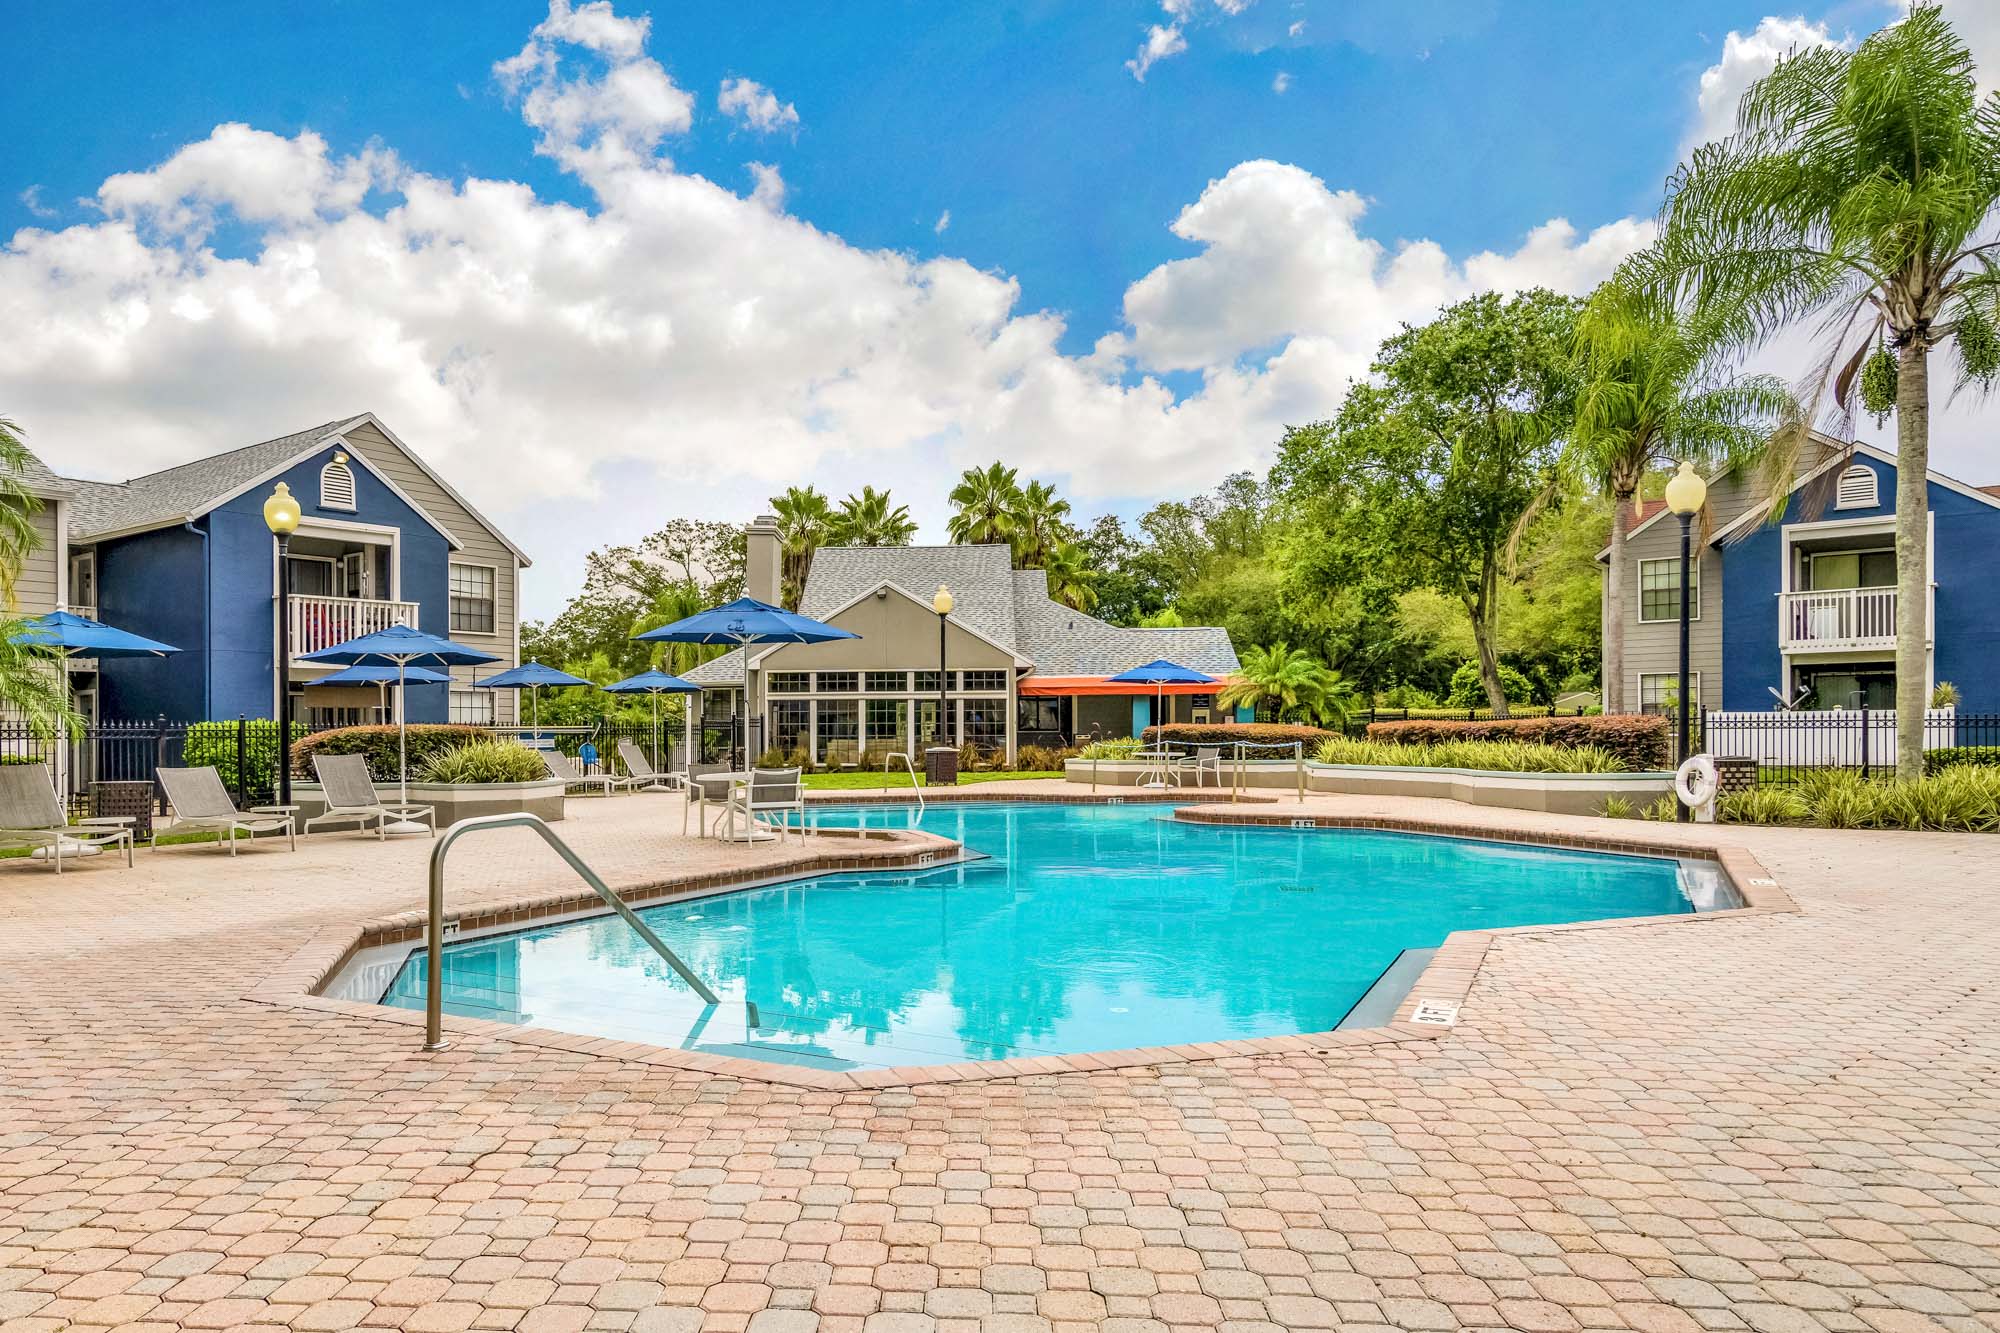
<point x="1836" y="738"/>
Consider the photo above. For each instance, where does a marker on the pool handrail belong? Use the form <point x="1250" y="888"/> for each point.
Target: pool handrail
<point x="910" y="764"/>
<point x="434" y="929"/>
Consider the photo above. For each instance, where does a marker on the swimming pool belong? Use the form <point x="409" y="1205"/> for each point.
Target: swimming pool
<point x="1080" y="928"/>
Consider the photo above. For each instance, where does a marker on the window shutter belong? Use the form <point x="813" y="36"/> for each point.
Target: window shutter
<point x="336" y="485"/>
<point x="1856" y="489"/>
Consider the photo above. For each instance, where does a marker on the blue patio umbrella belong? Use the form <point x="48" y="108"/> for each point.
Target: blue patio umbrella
<point x="1161" y="673"/>
<point x="79" y="636"/>
<point x="531" y="676"/>
<point x="402" y="647"/>
<point x="382" y="677"/>
<point x="655" y="683"/>
<point x="743" y="622"/>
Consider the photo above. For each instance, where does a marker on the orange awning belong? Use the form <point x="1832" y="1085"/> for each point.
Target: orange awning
<point x="1045" y="686"/>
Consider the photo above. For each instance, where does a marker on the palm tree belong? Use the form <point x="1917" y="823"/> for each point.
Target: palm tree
<point x="1857" y="184"/>
<point x="868" y="519"/>
<point x="1040" y="524"/>
<point x="984" y="501"/>
<point x="677" y="601"/>
<point x="1295" y="681"/>
<point x="34" y="682"/>
<point x="1072" y="581"/>
<point x="1652" y="393"/>
<point x="803" y="518"/>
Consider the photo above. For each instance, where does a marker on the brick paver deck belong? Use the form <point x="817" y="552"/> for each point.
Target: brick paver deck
<point x="1778" y="1122"/>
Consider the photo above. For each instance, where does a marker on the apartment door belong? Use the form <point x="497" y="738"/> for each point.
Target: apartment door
<point x="354" y="575"/>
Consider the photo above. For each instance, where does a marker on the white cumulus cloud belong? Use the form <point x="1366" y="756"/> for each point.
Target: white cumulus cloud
<point x="756" y="106"/>
<point x="1161" y="42"/>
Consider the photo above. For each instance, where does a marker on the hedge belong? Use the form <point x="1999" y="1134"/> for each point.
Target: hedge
<point x="1640" y="740"/>
<point x="428" y="740"/>
<point x="1962" y="756"/>
<point x="214" y="744"/>
<point x="1253" y="733"/>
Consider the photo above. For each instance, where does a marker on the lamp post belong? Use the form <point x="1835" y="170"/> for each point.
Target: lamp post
<point x="281" y="516"/>
<point x="1686" y="493"/>
<point x="941" y="604"/>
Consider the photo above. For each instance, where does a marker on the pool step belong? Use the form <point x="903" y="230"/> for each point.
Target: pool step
<point x="1377" y="1006"/>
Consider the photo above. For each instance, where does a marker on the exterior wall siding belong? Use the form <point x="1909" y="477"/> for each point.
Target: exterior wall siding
<point x="1653" y="647"/>
<point x="152" y="584"/>
<point x="38" y="585"/>
<point x="477" y="546"/>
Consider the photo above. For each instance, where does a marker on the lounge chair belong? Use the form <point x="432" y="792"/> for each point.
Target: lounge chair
<point x="642" y="773"/>
<point x="31" y="815"/>
<point x="562" y="766"/>
<point x="351" y="798"/>
<point x="201" y="804"/>
<point x="766" y="791"/>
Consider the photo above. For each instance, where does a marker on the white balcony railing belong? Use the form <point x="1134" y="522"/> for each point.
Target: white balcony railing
<point x="1846" y="619"/>
<point x="321" y="622"/>
<point x="79" y="609"/>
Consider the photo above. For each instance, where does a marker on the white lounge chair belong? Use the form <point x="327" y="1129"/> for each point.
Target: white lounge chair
<point x="31" y="815"/>
<point x="643" y="775"/>
<point x="562" y="766"/>
<point x="201" y="804"/>
<point x="768" y="790"/>
<point x="351" y="798"/>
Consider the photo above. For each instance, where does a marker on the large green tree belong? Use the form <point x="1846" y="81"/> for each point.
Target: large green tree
<point x="1041" y="524"/>
<point x="689" y="559"/>
<point x="1655" y="389"/>
<point x="984" y="504"/>
<point x="1861" y="186"/>
<point x="1427" y="476"/>
<point x="871" y="518"/>
<point x="804" y="518"/>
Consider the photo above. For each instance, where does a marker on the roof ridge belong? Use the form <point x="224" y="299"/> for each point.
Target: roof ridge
<point x="323" y="427"/>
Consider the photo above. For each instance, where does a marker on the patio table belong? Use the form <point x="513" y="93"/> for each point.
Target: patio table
<point x="718" y="787"/>
<point x="1162" y="767"/>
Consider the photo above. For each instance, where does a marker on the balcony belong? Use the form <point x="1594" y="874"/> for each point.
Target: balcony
<point x="1844" y="620"/>
<point x="321" y="622"/>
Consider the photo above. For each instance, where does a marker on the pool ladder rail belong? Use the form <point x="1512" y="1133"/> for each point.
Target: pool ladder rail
<point x="434" y="931"/>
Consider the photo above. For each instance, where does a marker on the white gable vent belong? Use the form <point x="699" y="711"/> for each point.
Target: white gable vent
<point x="1856" y="489"/>
<point x="336" y="484"/>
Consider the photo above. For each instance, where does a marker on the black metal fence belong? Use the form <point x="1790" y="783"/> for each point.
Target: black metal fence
<point x="1786" y="746"/>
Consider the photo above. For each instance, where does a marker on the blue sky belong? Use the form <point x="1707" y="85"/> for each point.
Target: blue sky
<point x="526" y="233"/>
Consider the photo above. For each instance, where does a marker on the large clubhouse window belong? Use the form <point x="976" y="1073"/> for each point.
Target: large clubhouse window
<point x="789" y="682"/>
<point x="839" y="682"/>
<point x="927" y="682"/>
<point x="472" y="599"/>
<point x="984" y="682"/>
<point x="986" y="724"/>
<point x="1660" y="589"/>
<point x="888" y="723"/>
<point x="791" y="719"/>
<point x="887" y="682"/>
<point x="839" y="726"/>
<point x="1660" y="693"/>
<point x="472" y="707"/>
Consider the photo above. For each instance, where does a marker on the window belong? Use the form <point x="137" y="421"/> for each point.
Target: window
<point x="976" y="682"/>
<point x="927" y="682"/>
<point x="839" y="682"/>
<point x="1660" y="693"/>
<point x="309" y="575"/>
<point x="1660" y="589"/>
<point x="839" y="725"/>
<point x="472" y="599"/>
<point x="888" y="723"/>
<point x="1857" y="488"/>
<point x="474" y="707"/>
<point x="986" y="723"/>
<point x="790" y="721"/>
<point x="887" y="682"/>
<point x="790" y="682"/>
<point x="83" y="583"/>
<point x="336" y="484"/>
<point x="1835" y="571"/>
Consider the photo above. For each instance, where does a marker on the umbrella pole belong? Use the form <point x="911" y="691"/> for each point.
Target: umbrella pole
<point x="746" y="706"/>
<point x="656" y="729"/>
<point x="535" y="709"/>
<point x="402" y="731"/>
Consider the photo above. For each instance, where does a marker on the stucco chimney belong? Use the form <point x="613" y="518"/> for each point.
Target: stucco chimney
<point x="763" y="565"/>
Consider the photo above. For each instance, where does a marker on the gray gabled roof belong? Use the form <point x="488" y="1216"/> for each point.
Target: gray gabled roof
<point x="1010" y="606"/>
<point x="36" y="479"/>
<point x="176" y="493"/>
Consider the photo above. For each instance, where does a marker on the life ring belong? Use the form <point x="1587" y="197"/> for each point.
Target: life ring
<point x="1696" y="781"/>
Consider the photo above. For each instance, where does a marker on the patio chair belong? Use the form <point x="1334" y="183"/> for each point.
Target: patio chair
<point x="31" y="815"/>
<point x="201" y="804"/>
<point x="768" y="790"/>
<point x="351" y="798"/>
<point x="563" y="767"/>
<point x="641" y="772"/>
<point x="1206" y="759"/>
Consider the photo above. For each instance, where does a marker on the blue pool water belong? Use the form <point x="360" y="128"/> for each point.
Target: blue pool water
<point x="1086" y="928"/>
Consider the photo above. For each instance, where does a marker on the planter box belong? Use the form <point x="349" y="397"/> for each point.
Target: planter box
<point x="1556" y="793"/>
<point x="453" y="801"/>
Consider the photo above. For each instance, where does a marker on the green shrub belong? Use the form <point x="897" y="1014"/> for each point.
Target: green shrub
<point x="1228" y="733"/>
<point x="1639" y="740"/>
<point x="1406" y="696"/>
<point x="1978" y="756"/>
<point x="484" y="761"/>
<point x="213" y="744"/>
<point x="1042" y="758"/>
<point x="1617" y="807"/>
<point x="1763" y="805"/>
<point x="784" y="759"/>
<point x="1469" y="691"/>
<point x="1963" y="799"/>
<point x="427" y="741"/>
<point x="1663" y="811"/>
<point x="1489" y="756"/>
<point x="1944" y="694"/>
<point x="1118" y="747"/>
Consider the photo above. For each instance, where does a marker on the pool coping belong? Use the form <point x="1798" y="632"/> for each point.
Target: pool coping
<point x="1428" y="1012"/>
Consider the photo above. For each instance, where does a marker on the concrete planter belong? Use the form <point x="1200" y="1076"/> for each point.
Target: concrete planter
<point x="1260" y="773"/>
<point x="1557" y="793"/>
<point x="454" y="801"/>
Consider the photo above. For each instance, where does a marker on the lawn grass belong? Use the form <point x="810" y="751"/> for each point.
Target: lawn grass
<point x="857" y="781"/>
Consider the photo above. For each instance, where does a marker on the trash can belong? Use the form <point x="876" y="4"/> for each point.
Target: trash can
<point x="1733" y="774"/>
<point x="940" y="766"/>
